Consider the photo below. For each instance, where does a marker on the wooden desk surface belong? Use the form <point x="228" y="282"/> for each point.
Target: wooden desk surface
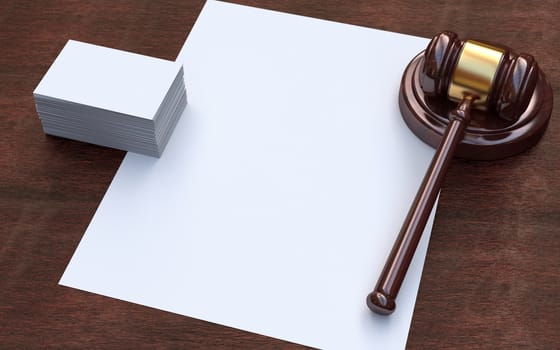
<point x="492" y="274"/>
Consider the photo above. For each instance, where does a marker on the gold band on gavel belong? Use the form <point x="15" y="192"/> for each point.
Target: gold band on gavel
<point x="475" y="72"/>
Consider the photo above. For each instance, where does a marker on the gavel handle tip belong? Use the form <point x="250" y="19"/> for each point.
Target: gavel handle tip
<point x="380" y="303"/>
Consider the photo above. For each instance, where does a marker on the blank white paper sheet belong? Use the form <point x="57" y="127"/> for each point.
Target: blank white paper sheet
<point x="281" y="191"/>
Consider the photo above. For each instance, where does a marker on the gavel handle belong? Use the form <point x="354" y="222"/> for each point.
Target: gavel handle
<point x="382" y="299"/>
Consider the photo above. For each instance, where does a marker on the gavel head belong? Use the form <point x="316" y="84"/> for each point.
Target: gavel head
<point x="501" y="80"/>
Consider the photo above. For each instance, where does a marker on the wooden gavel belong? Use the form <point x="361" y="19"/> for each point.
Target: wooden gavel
<point x="489" y="78"/>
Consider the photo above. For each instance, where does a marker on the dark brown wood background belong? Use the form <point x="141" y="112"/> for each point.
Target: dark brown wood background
<point x="492" y="275"/>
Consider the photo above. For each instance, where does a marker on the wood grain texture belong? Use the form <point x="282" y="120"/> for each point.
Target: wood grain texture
<point x="492" y="275"/>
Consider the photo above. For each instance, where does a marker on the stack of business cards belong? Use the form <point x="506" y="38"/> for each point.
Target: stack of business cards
<point x="111" y="98"/>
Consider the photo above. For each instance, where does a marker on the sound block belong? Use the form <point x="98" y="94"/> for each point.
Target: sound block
<point x="487" y="137"/>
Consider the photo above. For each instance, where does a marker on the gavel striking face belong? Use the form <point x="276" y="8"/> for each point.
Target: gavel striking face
<point x="489" y="78"/>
